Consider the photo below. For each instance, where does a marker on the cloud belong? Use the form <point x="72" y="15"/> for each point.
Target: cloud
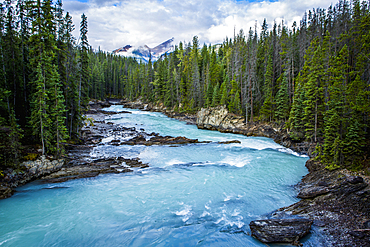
<point x="114" y="23"/>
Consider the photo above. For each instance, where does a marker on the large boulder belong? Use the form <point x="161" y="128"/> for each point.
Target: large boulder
<point x="219" y="118"/>
<point x="42" y="166"/>
<point x="280" y="230"/>
<point x="211" y="118"/>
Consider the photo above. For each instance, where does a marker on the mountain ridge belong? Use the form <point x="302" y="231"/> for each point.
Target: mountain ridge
<point x="144" y="53"/>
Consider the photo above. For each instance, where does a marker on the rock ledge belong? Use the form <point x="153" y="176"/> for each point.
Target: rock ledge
<point x="280" y="230"/>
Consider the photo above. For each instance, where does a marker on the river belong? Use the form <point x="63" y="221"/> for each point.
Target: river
<point x="201" y="194"/>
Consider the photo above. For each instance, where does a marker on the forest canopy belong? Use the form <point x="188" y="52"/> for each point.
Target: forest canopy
<point x="313" y="77"/>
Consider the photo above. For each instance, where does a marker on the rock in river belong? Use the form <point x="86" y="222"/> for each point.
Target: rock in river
<point x="280" y="230"/>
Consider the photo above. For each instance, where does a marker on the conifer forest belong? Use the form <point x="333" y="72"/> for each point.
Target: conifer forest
<point x="312" y="77"/>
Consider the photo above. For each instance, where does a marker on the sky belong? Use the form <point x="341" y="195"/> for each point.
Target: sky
<point x="115" y="23"/>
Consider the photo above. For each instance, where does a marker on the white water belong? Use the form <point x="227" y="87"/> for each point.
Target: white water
<point x="191" y="195"/>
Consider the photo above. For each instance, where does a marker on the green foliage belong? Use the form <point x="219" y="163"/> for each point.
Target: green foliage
<point x="282" y="101"/>
<point x="224" y="94"/>
<point x="354" y="145"/>
<point x="267" y="107"/>
<point x="297" y="110"/>
<point x="315" y="80"/>
<point x="216" y="96"/>
<point x="30" y="156"/>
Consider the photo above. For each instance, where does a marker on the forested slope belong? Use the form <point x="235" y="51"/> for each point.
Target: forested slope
<point x="313" y="76"/>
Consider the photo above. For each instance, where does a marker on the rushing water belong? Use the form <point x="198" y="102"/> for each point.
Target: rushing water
<point x="191" y="195"/>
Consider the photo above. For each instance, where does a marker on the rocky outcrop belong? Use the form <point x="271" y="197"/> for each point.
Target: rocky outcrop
<point x="218" y="118"/>
<point x="280" y="230"/>
<point x="338" y="203"/>
<point x="26" y="172"/>
<point x="96" y="105"/>
<point x="80" y="168"/>
<point x="159" y="140"/>
<point x="42" y="166"/>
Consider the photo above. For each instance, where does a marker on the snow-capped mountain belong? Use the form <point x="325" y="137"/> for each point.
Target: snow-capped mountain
<point x="143" y="53"/>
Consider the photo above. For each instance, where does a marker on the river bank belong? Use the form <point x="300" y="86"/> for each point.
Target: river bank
<point x="337" y="202"/>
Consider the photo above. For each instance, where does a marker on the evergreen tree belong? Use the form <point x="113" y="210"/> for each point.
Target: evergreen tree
<point x="224" y="94"/>
<point x="216" y="96"/>
<point x="313" y="103"/>
<point x="296" y="114"/>
<point x="40" y="120"/>
<point x="15" y="137"/>
<point x="334" y="116"/>
<point x="282" y="100"/>
<point x="84" y="69"/>
<point x="266" y="110"/>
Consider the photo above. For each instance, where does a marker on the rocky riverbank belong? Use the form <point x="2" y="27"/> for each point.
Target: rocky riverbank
<point x="336" y="203"/>
<point x="218" y="118"/>
<point x="26" y="172"/>
<point x="77" y="163"/>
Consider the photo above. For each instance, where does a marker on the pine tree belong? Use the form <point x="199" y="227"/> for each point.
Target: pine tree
<point x="216" y="96"/>
<point x="282" y="100"/>
<point x="354" y="144"/>
<point x="57" y="114"/>
<point x="296" y="114"/>
<point x="15" y="137"/>
<point x="209" y="95"/>
<point x="313" y="94"/>
<point x="266" y="109"/>
<point x="84" y="69"/>
<point x="40" y="120"/>
<point x="236" y="103"/>
<point x="224" y="94"/>
<point x="334" y="116"/>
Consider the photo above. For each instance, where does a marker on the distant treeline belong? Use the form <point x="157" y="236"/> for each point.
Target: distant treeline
<point x="313" y="76"/>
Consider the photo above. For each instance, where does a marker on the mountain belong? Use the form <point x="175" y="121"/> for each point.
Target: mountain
<point x="143" y="53"/>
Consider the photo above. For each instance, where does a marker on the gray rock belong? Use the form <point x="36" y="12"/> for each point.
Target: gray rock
<point x="354" y="179"/>
<point x="280" y="230"/>
<point x="218" y="118"/>
<point x="5" y="192"/>
<point x="312" y="192"/>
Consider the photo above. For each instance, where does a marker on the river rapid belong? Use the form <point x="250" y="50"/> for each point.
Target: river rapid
<point x="201" y="194"/>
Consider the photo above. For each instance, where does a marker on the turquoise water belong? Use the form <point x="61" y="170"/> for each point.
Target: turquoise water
<point x="191" y="195"/>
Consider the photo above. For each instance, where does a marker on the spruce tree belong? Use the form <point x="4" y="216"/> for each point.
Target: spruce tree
<point x="313" y="103"/>
<point x="15" y="137"/>
<point x="282" y="100"/>
<point x="224" y="94"/>
<point x="40" y="120"/>
<point x="84" y="70"/>
<point x="266" y="109"/>
<point x="296" y="114"/>
<point x="216" y="96"/>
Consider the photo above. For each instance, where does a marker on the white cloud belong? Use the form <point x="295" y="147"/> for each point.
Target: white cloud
<point x="113" y="23"/>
